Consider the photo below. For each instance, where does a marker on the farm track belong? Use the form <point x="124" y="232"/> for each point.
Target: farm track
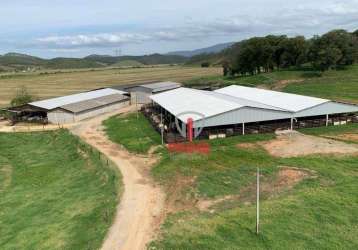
<point x="51" y="85"/>
<point x="140" y="211"/>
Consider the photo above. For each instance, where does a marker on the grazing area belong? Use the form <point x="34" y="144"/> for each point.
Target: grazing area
<point x="48" y="84"/>
<point x="56" y="193"/>
<point x="306" y="201"/>
<point x="133" y="131"/>
<point x="340" y="85"/>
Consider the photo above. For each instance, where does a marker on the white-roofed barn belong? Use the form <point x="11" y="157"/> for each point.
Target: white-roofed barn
<point x="239" y="110"/>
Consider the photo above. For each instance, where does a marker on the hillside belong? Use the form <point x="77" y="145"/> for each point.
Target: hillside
<point x="340" y="85"/>
<point x="153" y="59"/>
<point x="22" y="62"/>
<point x="209" y="50"/>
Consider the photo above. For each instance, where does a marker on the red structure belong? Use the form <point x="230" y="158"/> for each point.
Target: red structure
<point x="190" y="129"/>
<point x="190" y="148"/>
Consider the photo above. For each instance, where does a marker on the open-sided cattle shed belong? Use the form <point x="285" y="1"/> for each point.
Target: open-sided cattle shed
<point x="235" y="106"/>
<point x="73" y="108"/>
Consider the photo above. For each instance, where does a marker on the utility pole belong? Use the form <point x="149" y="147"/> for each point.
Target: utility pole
<point x="257" y="201"/>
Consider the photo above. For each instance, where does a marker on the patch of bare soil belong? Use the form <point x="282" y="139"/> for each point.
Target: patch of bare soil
<point x="180" y="195"/>
<point x="141" y="208"/>
<point x="206" y="204"/>
<point x="281" y="84"/>
<point x="293" y="143"/>
<point x="347" y="137"/>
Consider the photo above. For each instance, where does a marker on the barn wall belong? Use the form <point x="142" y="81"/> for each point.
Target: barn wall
<point x="59" y="116"/>
<point x="246" y="114"/>
<point x="99" y="111"/>
<point x="328" y="108"/>
<point x="140" y="95"/>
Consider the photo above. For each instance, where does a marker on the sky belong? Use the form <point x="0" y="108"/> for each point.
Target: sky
<point x="77" y="28"/>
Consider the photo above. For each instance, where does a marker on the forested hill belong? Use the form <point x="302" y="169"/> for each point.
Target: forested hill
<point x="334" y="49"/>
<point x="20" y="62"/>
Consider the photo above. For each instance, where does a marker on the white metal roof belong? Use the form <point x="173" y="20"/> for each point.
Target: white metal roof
<point x="161" y="86"/>
<point x="185" y="103"/>
<point x="53" y="103"/>
<point x="284" y="101"/>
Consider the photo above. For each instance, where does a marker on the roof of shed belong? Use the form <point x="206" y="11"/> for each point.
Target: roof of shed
<point x="53" y="103"/>
<point x="284" y="101"/>
<point x="94" y="103"/>
<point x="161" y="86"/>
<point x="187" y="103"/>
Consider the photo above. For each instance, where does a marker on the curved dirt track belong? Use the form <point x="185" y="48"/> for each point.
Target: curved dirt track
<point x="140" y="211"/>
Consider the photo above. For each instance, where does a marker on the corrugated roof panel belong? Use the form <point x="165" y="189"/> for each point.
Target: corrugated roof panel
<point x="161" y="86"/>
<point x="285" y="101"/>
<point x="185" y="100"/>
<point x="94" y="103"/>
<point x="53" y="103"/>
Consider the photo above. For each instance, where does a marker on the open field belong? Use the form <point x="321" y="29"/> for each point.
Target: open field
<point x="55" y="192"/>
<point x="43" y="85"/>
<point x="308" y="202"/>
<point x="341" y="85"/>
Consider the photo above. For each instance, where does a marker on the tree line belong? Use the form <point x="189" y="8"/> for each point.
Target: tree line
<point x="332" y="50"/>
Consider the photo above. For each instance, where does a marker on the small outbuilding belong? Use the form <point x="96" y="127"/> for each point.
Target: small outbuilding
<point x="140" y="93"/>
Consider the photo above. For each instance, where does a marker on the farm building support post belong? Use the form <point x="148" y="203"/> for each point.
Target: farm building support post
<point x="243" y="128"/>
<point x="291" y="123"/>
<point x="162" y="126"/>
<point x="327" y="117"/>
<point x="257" y="201"/>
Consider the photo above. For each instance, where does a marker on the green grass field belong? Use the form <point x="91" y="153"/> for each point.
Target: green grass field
<point x="55" y="192"/>
<point x="133" y="131"/>
<point x="318" y="213"/>
<point x="339" y="85"/>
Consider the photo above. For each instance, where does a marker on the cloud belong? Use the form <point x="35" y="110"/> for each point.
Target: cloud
<point x="90" y="41"/>
<point x="307" y="19"/>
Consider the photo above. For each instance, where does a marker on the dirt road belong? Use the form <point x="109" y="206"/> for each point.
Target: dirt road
<point x="140" y="210"/>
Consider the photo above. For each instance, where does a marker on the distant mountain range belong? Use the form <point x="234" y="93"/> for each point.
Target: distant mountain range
<point x="23" y="62"/>
<point x="209" y="50"/>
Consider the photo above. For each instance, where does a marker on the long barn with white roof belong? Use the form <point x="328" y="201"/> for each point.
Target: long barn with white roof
<point x="73" y="108"/>
<point x="238" y="109"/>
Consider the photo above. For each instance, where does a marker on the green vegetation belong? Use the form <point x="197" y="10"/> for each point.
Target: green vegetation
<point x="339" y="85"/>
<point x="318" y="213"/>
<point x="55" y="192"/>
<point x="21" y="62"/>
<point x="22" y="97"/>
<point x="332" y="130"/>
<point x="133" y="131"/>
<point x="333" y="50"/>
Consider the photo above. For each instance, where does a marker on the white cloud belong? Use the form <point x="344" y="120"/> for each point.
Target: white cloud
<point x="93" y="40"/>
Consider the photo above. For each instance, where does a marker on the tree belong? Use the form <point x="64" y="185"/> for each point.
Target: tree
<point x="294" y="51"/>
<point x="22" y="97"/>
<point x="324" y="55"/>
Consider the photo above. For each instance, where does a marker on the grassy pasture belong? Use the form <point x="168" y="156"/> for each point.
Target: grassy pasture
<point x="58" y="83"/>
<point x="341" y="85"/>
<point x="55" y="192"/>
<point x="133" y="131"/>
<point x="318" y="213"/>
